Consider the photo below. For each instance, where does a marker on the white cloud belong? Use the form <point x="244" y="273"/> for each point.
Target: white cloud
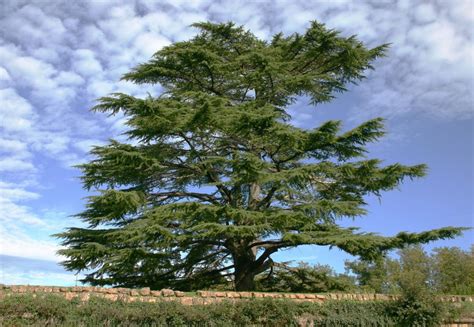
<point x="21" y="245"/>
<point x="32" y="71"/>
<point x="36" y="277"/>
<point x="69" y="78"/>
<point x="149" y="43"/>
<point x="85" y="63"/>
<point x="4" y="76"/>
<point x="425" y="13"/>
<point x="15" y="111"/>
<point x="11" y="192"/>
<point x="16" y="147"/>
<point x="86" y="145"/>
<point x="98" y="87"/>
<point x="30" y="23"/>
<point x="52" y="143"/>
<point x="14" y="213"/>
<point x="15" y="165"/>
<point x="49" y="55"/>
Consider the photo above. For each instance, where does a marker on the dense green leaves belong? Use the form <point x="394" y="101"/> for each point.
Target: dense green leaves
<point x="447" y="270"/>
<point x="53" y="310"/>
<point x="216" y="178"/>
<point x="304" y="278"/>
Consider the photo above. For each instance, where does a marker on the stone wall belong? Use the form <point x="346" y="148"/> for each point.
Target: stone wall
<point x="200" y="297"/>
<point x="204" y="297"/>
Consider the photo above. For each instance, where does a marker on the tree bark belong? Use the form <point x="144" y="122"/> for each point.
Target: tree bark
<point x="244" y="274"/>
<point x="247" y="266"/>
<point x="244" y="281"/>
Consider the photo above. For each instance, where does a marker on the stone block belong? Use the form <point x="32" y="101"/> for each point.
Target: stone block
<point x="84" y="296"/>
<point x="122" y="297"/>
<point x="145" y="291"/>
<point x="168" y="299"/>
<point x="370" y="297"/>
<point x="202" y="293"/>
<point x="300" y="296"/>
<point x="245" y="294"/>
<point x="381" y="297"/>
<point x="20" y="289"/>
<point x="155" y="293"/>
<point x="186" y="300"/>
<point x="178" y="294"/>
<point x="70" y="295"/>
<point x="167" y="292"/>
<point x="111" y="297"/>
<point x="208" y="300"/>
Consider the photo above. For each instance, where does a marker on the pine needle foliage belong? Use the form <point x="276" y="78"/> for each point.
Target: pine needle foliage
<point x="217" y="179"/>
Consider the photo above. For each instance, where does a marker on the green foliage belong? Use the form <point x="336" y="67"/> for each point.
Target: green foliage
<point x="417" y="305"/>
<point x="305" y="279"/>
<point x="371" y="276"/>
<point x="447" y="270"/>
<point x="54" y="310"/>
<point x="413" y="272"/>
<point x="216" y="179"/>
<point x="350" y="313"/>
<point x="453" y="270"/>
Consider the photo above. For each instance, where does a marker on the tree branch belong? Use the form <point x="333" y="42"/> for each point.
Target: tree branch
<point x="199" y="196"/>
<point x="224" y="191"/>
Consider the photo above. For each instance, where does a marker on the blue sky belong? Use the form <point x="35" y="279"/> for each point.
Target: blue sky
<point x="57" y="57"/>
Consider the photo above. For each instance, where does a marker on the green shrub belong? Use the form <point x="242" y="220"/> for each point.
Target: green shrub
<point x="53" y="310"/>
<point x="418" y="308"/>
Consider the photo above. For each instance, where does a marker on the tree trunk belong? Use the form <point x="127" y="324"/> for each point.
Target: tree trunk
<point x="244" y="280"/>
<point x="244" y="269"/>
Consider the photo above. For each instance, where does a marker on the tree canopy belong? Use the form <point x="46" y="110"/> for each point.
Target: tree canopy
<point x="216" y="179"/>
<point x="447" y="270"/>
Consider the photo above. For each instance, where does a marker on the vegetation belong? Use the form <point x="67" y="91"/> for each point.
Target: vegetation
<point x="53" y="310"/>
<point x="305" y="279"/>
<point x="447" y="270"/>
<point x="216" y="179"/>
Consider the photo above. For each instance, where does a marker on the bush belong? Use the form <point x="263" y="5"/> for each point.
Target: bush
<point x="420" y="309"/>
<point x="305" y="279"/>
<point x="53" y="310"/>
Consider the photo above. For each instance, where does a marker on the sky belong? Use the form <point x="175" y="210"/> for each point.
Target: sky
<point x="58" y="57"/>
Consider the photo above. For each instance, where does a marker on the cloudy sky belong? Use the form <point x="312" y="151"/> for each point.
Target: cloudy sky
<point x="57" y="57"/>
